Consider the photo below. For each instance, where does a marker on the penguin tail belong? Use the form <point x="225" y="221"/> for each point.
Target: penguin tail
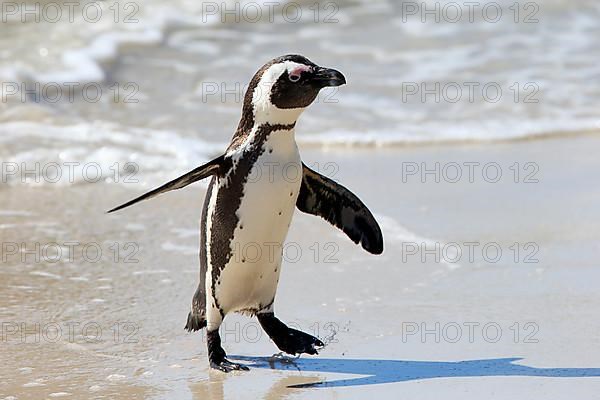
<point x="195" y="322"/>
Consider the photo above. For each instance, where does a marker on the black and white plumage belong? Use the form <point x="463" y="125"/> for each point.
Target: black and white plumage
<point x="250" y="203"/>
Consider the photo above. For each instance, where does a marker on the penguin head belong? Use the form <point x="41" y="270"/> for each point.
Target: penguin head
<point x="285" y="86"/>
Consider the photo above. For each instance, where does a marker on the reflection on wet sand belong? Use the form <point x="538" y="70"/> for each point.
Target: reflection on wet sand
<point x="276" y="388"/>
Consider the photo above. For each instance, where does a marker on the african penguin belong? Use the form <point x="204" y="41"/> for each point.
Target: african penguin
<point x="250" y="203"/>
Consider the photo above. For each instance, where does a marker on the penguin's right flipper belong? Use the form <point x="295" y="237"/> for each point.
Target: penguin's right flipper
<point x="203" y="171"/>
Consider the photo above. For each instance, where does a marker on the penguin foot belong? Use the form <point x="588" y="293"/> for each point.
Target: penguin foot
<point x="227" y="366"/>
<point x="298" y="342"/>
<point x="216" y="354"/>
<point x="289" y="340"/>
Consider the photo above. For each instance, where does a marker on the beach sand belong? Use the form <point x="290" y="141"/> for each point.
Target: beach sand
<point x="400" y="324"/>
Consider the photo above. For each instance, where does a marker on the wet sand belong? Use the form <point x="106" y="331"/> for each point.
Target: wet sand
<point x="405" y="323"/>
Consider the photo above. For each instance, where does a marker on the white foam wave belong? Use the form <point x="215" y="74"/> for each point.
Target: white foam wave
<point x="92" y="152"/>
<point x="485" y="131"/>
<point x="86" y="47"/>
<point x="84" y="65"/>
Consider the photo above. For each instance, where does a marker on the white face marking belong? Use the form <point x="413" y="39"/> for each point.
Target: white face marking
<point x="264" y="110"/>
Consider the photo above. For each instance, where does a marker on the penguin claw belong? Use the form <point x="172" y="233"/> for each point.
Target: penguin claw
<point x="228" y="366"/>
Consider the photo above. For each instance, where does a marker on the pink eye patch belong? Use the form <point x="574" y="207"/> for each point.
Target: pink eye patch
<point x="296" y="72"/>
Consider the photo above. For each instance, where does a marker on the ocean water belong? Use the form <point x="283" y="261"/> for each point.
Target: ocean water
<point x="160" y="84"/>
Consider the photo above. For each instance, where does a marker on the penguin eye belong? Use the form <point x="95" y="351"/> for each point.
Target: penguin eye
<point x="294" y="77"/>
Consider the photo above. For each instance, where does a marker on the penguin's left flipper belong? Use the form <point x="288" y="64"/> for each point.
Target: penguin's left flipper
<point x="324" y="197"/>
<point x="203" y="171"/>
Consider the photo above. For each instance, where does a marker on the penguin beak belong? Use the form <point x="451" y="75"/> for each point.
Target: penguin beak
<point x="325" y="77"/>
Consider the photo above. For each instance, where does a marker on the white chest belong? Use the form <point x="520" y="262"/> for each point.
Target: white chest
<point x="271" y="189"/>
<point x="250" y="278"/>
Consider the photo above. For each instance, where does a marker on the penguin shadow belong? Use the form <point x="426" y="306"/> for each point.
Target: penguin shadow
<point x="389" y="371"/>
